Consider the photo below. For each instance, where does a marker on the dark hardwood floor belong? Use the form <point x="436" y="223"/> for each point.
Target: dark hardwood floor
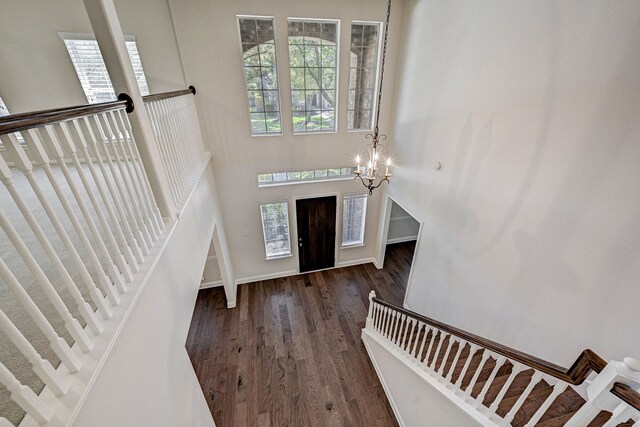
<point x="290" y="353"/>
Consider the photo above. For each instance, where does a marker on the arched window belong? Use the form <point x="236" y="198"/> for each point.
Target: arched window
<point x="313" y="60"/>
<point x="261" y="74"/>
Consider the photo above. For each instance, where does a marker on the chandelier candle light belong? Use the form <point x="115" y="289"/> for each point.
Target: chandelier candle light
<point x="370" y="176"/>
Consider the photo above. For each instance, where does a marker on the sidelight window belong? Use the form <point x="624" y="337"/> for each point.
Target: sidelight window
<point x="354" y="213"/>
<point x="275" y="227"/>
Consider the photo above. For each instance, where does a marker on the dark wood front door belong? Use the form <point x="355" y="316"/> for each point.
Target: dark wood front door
<point x="316" y="232"/>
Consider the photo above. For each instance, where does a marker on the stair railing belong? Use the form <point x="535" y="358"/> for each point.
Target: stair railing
<point x="457" y="359"/>
<point x="83" y="228"/>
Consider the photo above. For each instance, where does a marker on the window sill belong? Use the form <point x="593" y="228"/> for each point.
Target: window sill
<point x="355" y="245"/>
<point x="269" y="258"/>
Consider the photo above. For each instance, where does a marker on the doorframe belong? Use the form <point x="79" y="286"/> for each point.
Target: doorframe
<point x="294" y="234"/>
<point x="386" y="218"/>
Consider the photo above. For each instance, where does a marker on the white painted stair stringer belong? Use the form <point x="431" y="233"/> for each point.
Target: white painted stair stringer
<point x="419" y="390"/>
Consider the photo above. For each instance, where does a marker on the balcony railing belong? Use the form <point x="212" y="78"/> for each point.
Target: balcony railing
<point x="82" y="229"/>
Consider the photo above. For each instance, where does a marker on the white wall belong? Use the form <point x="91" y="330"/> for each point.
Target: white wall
<point x="209" y="44"/>
<point x="35" y="70"/>
<point x="402" y="226"/>
<point x="531" y="234"/>
<point x="148" y="379"/>
<point x="415" y="402"/>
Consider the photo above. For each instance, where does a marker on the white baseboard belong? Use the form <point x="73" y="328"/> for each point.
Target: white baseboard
<point x="355" y="262"/>
<point x="214" y="284"/>
<point x="402" y="239"/>
<point x="268" y="276"/>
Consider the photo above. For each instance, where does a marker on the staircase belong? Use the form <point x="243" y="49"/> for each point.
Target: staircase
<point x="500" y="386"/>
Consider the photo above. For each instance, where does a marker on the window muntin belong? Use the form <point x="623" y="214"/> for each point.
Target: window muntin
<point x="92" y="71"/>
<point x="297" y="177"/>
<point x="313" y="64"/>
<point x="275" y="227"/>
<point x="363" y="66"/>
<point x="354" y="212"/>
<point x="257" y="38"/>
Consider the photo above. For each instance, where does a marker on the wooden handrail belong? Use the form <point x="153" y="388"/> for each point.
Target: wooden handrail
<point x="165" y="95"/>
<point x="626" y="394"/>
<point x="587" y="361"/>
<point x="23" y="121"/>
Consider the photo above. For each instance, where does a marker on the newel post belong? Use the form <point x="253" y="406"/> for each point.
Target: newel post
<point x="106" y="27"/>
<point x="599" y="396"/>
<point x="369" y="324"/>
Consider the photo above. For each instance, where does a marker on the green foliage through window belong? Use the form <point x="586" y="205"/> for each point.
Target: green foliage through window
<point x="261" y="74"/>
<point x="313" y="60"/>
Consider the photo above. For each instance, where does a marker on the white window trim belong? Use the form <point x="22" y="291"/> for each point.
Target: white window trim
<point x="264" y="235"/>
<point x="338" y="38"/>
<point x="374" y="106"/>
<point x="366" y="204"/>
<point x="238" y="18"/>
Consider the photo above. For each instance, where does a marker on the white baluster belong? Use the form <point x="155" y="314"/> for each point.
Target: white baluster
<point x="463" y="373"/>
<point x="390" y="320"/>
<point x="434" y="332"/>
<point x="402" y="321"/>
<point x="127" y="242"/>
<point x="461" y="345"/>
<point x="51" y="140"/>
<point x="516" y="407"/>
<point x="143" y="236"/>
<point x="25" y="397"/>
<point x="174" y="140"/>
<point x="434" y="361"/>
<point x="153" y="220"/>
<point x="406" y="344"/>
<point x="71" y="324"/>
<point x="499" y="362"/>
<point x="394" y="320"/>
<point x="161" y="138"/>
<point x="446" y="356"/>
<point x="57" y="344"/>
<point x="558" y="389"/>
<point x="177" y="144"/>
<point x="483" y="361"/>
<point x="38" y="152"/>
<point x="23" y="163"/>
<point x="415" y="343"/>
<point x="80" y="142"/>
<point x="517" y="368"/>
<point x="41" y="367"/>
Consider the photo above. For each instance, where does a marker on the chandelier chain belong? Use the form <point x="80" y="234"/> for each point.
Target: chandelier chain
<point x="384" y="55"/>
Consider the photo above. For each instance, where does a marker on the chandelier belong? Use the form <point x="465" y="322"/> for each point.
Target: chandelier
<point x="370" y="175"/>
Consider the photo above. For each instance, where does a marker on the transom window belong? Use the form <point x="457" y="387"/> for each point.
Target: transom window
<point x="257" y="37"/>
<point x="354" y="212"/>
<point x="297" y="177"/>
<point x="313" y="61"/>
<point x="363" y="66"/>
<point x="275" y="226"/>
